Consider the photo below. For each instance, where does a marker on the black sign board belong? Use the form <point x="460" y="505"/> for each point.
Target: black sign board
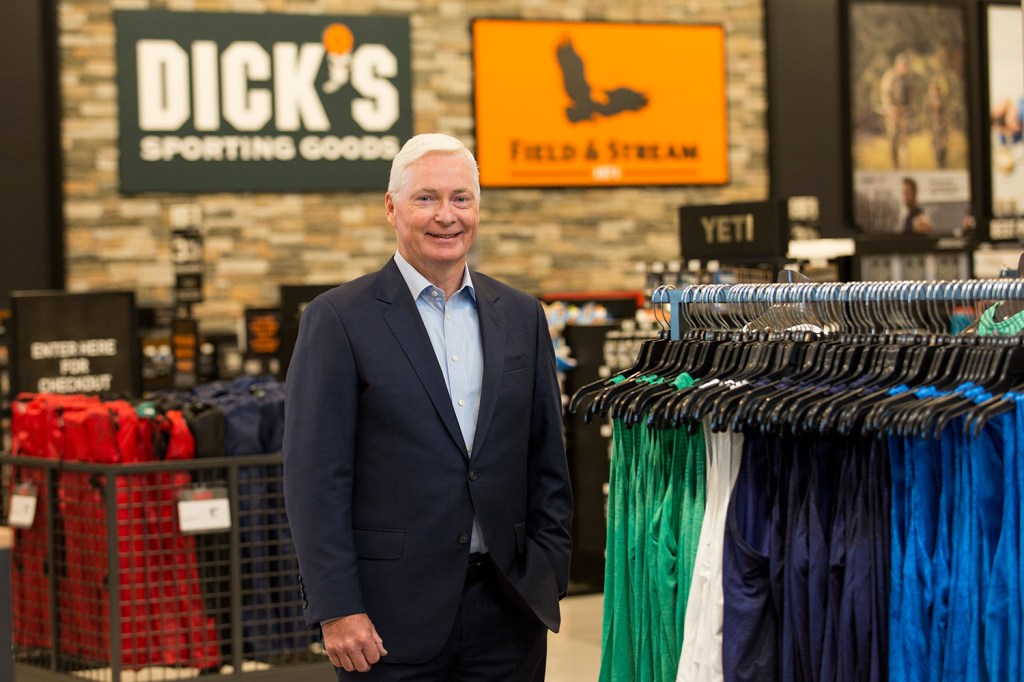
<point x="294" y="298"/>
<point x="1004" y="229"/>
<point x="187" y="258"/>
<point x="734" y="232"/>
<point x="74" y="343"/>
<point x="262" y="332"/>
<point x="262" y="340"/>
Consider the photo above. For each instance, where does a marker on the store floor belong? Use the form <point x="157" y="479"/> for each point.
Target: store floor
<point x="574" y="654"/>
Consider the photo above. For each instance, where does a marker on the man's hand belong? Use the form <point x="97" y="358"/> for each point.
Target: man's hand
<point x="921" y="224"/>
<point x="352" y="643"/>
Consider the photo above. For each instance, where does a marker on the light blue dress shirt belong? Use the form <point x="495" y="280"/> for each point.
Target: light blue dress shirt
<point x="454" y="330"/>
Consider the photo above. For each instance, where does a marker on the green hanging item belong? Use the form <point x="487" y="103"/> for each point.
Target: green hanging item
<point x="989" y="326"/>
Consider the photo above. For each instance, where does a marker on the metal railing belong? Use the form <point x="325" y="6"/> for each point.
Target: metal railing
<point x="105" y="585"/>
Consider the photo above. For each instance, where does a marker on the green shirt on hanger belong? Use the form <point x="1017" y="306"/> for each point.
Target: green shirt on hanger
<point x="657" y="485"/>
<point x="988" y="325"/>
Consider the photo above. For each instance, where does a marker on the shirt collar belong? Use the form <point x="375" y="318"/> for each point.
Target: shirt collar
<point x="417" y="283"/>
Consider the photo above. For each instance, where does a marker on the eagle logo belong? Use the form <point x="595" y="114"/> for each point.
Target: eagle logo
<point x="584" y="107"/>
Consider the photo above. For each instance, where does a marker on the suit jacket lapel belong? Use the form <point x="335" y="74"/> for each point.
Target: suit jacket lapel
<point x="492" y="331"/>
<point x="406" y="324"/>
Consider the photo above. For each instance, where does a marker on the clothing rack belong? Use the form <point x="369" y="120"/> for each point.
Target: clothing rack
<point x="817" y="481"/>
<point x="824" y="357"/>
<point x="880" y="307"/>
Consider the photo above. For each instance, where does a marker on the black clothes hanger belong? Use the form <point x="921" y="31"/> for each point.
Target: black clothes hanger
<point x="892" y="368"/>
<point x="695" y="354"/>
<point x="747" y="355"/>
<point x="740" y="354"/>
<point x="980" y="414"/>
<point x="662" y="409"/>
<point x="734" y="410"/>
<point x="820" y="358"/>
<point x="1002" y="370"/>
<point x="761" y="349"/>
<point x="786" y="351"/>
<point x="886" y="366"/>
<point x="719" y="354"/>
<point x="691" y="358"/>
<point x="778" y="388"/>
<point x="982" y="364"/>
<point x="658" y="379"/>
<point x="650" y="359"/>
<point x="852" y="373"/>
<point x="834" y="361"/>
<point x="649" y="353"/>
<point x="854" y="370"/>
<point x="975" y="365"/>
<point x="800" y="370"/>
<point x="890" y="413"/>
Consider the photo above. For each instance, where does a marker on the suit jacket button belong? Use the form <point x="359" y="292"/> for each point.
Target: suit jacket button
<point x="463" y="538"/>
<point x="472" y="474"/>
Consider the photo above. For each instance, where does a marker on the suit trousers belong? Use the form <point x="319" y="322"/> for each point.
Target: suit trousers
<point x="491" y="640"/>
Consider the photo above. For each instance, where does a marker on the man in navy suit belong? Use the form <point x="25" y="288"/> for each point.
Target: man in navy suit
<point x="424" y="466"/>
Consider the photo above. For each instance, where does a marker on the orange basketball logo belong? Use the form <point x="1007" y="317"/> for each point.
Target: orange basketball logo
<point x="337" y="39"/>
<point x="338" y="42"/>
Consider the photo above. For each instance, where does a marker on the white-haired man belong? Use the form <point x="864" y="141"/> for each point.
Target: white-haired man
<point x="425" y="473"/>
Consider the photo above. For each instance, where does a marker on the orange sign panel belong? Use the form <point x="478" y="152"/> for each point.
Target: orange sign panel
<point x="593" y="103"/>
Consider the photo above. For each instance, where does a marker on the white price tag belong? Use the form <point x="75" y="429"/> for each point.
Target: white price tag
<point x="203" y="510"/>
<point x="22" y="513"/>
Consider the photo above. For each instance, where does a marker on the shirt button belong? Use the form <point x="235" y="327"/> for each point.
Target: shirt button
<point x="462" y="403"/>
<point x="463" y="538"/>
<point x="448" y="316"/>
<point x="455" y="358"/>
<point x="433" y="292"/>
<point x="472" y="474"/>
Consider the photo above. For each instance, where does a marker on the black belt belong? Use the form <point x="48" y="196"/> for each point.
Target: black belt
<point x="477" y="567"/>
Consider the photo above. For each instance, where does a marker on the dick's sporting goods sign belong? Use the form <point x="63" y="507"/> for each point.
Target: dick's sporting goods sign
<point x="260" y="102"/>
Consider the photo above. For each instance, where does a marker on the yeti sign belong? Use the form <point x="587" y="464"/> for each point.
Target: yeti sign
<point x="260" y="102"/>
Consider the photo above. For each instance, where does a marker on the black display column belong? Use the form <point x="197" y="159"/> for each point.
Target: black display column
<point x="588" y="447"/>
<point x="31" y="175"/>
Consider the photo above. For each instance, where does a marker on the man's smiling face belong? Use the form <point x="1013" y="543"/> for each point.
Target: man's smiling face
<point x="435" y="213"/>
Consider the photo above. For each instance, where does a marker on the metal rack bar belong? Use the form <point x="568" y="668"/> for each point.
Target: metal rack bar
<point x="836" y="299"/>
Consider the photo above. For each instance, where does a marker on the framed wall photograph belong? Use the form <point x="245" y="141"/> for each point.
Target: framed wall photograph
<point x="908" y="117"/>
<point x="1005" y="54"/>
<point x="562" y="104"/>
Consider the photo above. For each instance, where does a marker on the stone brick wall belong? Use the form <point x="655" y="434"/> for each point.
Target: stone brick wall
<point x="539" y="240"/>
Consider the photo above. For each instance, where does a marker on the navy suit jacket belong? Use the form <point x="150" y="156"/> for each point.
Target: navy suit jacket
<point x="379" y="489"/>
